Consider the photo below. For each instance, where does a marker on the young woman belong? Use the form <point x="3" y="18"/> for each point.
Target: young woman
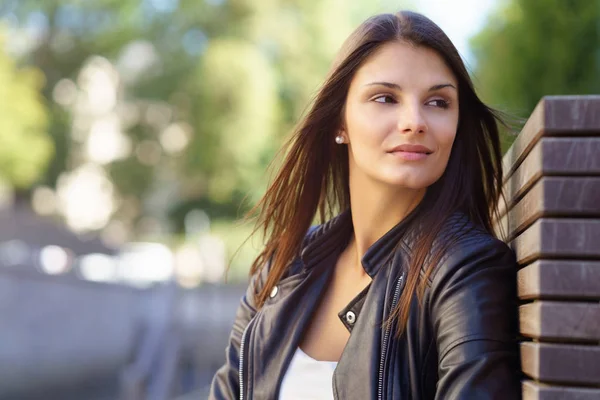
<point x="404" y="292"/>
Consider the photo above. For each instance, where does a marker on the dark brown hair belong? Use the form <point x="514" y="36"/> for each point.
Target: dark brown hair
<point x="313" y="178"/>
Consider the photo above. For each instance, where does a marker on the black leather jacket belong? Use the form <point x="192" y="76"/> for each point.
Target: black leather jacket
<point x="459" y="344"/>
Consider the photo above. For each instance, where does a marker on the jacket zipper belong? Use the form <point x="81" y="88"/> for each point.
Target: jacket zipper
<point x="385" y="341"/>
<point x="241" y="366"/>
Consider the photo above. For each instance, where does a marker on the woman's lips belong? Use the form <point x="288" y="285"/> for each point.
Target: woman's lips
<point x="409" y="155"/>
<point x="411" y="152"/>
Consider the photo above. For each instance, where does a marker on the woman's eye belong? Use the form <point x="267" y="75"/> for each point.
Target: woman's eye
<point x="440" y="103"/>
<point x="384" y="99"/>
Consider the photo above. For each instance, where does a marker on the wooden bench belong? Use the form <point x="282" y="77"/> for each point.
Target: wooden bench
<point x="552" y="221"/>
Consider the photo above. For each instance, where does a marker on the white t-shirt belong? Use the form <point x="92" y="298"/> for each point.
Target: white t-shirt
<point x="307" y="379"/>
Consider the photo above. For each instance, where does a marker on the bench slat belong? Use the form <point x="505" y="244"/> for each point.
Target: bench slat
<point x="539" y="391"/>
<point x="558" y="279"/>
<point x="558" y="238"/>
<point x="561" y="363"/>
<point x="553" y="320"/>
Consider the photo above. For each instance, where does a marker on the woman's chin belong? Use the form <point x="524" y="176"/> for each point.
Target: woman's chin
<point x="408" y="181"/>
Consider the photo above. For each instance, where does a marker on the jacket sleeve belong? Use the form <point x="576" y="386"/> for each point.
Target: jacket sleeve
<point x="475" y="323"/>
<point x="225" y="383"/>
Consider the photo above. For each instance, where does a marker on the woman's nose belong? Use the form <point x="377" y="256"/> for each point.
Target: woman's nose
<point x="411" y="119"/>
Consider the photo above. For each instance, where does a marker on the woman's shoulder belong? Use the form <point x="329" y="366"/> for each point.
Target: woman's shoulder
<point x="462" y="233"/>
<point x="467" y="247"/>
<point x="311" y="233"/>
<point x="296" y="265"/>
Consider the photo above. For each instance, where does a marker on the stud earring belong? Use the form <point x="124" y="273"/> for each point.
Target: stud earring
<point x="339" y="139"/>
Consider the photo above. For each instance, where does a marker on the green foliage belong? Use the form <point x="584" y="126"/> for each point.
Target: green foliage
<point x="25" y="148"/>
<point x="533" y="48"/>
<point x="236" y="116"/>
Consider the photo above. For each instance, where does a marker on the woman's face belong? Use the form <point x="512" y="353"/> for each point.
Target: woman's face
<point x="401" y="117"/>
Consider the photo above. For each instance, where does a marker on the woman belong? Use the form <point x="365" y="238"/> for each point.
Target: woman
<point x="406" y="293"/>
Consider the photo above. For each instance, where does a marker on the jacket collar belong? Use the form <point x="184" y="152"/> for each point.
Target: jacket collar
<point x="335" y="234"/>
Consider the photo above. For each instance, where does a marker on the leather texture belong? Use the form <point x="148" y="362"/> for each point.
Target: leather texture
<point x="460" y="341"/>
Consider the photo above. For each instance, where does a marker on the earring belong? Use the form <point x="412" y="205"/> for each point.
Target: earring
<point x="339" y="139"/>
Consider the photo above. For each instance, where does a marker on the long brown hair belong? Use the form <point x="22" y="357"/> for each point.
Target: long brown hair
<point x="313" y="178"/>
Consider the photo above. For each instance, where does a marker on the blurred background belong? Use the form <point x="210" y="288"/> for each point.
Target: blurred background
<point x="134" y="135"/>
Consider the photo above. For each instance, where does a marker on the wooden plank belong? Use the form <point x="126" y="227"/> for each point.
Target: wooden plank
<point x="539" y="391"/>
<point x="559" y="279"/>
<point x="554" y="320"/>
<point x="572" y="114"/>
<point x="554" y="116"/>
<point x="561" y="363"/>
<point x="558" y="238"/>
<point x="555" y="197"/>
<point x="528" y="172"/>
<point x="554" y="157"/>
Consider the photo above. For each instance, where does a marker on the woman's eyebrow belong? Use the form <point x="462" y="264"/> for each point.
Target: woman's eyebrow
<point x="398" y="87"/>
<point x="441" y="86"/>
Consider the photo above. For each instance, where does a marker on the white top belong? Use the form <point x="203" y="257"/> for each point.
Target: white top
<point x="307" y="379"/>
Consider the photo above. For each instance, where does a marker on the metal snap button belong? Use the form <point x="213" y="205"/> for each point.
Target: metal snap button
<point x="350" y="317"/>
<point x="274" y="291"/>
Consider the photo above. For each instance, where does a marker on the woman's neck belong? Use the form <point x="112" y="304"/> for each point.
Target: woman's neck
<point x="375" y="210"/>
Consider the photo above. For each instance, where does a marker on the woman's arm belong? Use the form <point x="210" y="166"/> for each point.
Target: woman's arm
<point x="225" y="384"/>
<point x="475" y="322"/>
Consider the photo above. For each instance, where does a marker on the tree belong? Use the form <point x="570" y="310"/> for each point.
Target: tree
<point x="25" y="147"/>
<point x="534" y="48"/>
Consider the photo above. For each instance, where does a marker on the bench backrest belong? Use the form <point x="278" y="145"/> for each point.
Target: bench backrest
<point x="552" y="221"/>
